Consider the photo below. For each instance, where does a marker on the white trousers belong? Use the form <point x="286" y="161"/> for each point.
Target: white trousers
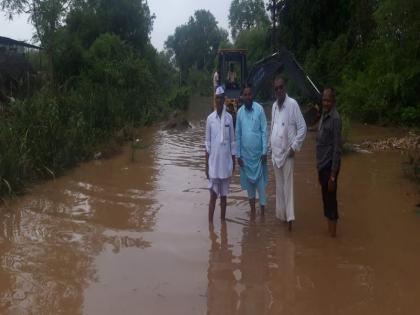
<point x="285" y="209"/>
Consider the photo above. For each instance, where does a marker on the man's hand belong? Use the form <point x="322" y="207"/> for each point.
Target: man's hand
<point x="240" y="162"/>
<point x="207" y="165"/>
<point x="331" y="184"/>
<point x="264" y="158"/>
<point x="291" y="153"/>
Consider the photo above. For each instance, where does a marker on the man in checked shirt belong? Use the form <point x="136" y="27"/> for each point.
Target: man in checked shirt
<point x="328" y="157"/>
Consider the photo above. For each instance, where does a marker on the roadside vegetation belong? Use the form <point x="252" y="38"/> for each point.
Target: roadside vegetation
<point x="100" y="77"/>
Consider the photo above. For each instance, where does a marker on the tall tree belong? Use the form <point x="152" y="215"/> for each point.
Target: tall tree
<point x="256" y="41"/>
<point x="247" y="14"/>
<point x="128" y="19"/>
<point x="306" y="24"/>
<point x="196" y="43"/>
<point x="46" y="16"/>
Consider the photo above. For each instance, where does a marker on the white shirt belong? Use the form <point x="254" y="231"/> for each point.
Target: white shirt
<point x="288" y="130"/>
<point x="231" y="77"/>
<point x="220" y="153"/>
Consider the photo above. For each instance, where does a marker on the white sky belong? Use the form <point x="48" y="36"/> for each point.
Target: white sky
<point x="19" y="28"/>
<point x="169" y="15"/>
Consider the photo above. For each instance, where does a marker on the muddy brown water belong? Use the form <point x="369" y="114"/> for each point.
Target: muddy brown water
<point x="122" y="237"/>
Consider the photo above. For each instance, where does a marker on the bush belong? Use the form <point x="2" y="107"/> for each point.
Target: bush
<point x="410" y="116"/>
<point x="345" y="128"/>
<point x="179" y="98"/>
<point x="200" y="82"/>
<point x="56" y="129"/>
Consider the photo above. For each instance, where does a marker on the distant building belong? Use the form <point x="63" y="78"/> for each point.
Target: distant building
<point x="16" y="72"/>
<point x="11" y="46"/>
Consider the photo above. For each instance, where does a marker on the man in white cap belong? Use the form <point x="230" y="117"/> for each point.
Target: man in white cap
<point x="220" y="153"/>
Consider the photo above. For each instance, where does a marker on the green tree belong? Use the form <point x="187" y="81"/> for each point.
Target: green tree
<point x="46" y="16"/>
<point x="256" y="41"/>
<point x="247" y="14"/>
<point x="384" y="87"/>
<point x="130" y="20"/>
<point x="306" y="24"/>
<point x="195" y="44"/>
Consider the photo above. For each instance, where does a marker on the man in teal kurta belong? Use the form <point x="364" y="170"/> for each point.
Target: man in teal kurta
<point x="251" y="143"/>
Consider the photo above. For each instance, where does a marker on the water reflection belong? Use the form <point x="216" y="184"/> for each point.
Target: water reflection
<point x="260" y="278"/>
<point x="43" y="272"/>
<point x="222" y="298"/>
<point x="49" y="238"/>
<point x="254" y="270"/>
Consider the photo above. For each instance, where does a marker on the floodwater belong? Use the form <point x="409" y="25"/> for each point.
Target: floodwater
<point x="122" y="237"/>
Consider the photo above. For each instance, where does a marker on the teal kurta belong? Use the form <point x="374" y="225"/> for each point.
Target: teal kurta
<point x="251" y="143"/>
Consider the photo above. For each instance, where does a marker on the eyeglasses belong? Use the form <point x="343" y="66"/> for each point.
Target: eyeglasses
<point x="278" y="87"/>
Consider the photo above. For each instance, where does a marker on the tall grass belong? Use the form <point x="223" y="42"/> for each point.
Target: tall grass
<point x="58" y="127"/>
<point x="41" y="137"/>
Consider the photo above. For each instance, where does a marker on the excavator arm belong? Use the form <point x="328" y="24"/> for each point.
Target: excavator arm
<point x="283" y="62"/>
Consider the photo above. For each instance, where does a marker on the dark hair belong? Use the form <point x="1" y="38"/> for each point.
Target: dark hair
<point x="280" y="77"/>
<point x="331" y="89"/>
<point x="247" y="86"/>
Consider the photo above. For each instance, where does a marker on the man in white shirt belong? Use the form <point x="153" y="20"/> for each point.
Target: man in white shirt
<point x="220" y="153"/>
<point x="231" y="78"/>
<point x="215" y="80"/>
<point x="288" y="131"/>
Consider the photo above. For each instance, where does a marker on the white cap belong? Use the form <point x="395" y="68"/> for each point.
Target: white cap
<point x="219" y="91"/>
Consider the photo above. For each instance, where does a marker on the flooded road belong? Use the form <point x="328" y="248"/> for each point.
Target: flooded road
<point x="122" y="237"/>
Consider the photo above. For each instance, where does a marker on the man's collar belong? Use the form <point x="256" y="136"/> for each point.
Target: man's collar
<point x="249" y="107"/>
<point x="282" y="104"/>
<point x="328" y="114"/>
<point x="217" y="113"/>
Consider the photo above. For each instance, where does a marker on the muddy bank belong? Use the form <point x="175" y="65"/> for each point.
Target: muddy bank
<point x="131" y="237"/>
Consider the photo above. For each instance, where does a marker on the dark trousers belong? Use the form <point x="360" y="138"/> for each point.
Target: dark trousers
<point x="329" y="198"/>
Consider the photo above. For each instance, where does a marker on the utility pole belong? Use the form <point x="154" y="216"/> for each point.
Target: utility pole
<point x="275" y="7"/>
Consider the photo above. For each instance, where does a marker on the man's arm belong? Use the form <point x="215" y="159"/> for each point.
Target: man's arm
<point x="337" y="147"/>
<point x="271" y="125"/>
<point x="238" y="137"/>
<point x="207" y="143"/>
<point x="300" y="129"/>
<point x="263" y="126"/>
<point x="232" y="142"/>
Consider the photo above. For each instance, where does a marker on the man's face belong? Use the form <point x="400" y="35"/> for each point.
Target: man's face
<point x="280" y="89"/>
<point x="247" y="97"/>
<point x="327" y="100"/>
<point x="220" y="101"/>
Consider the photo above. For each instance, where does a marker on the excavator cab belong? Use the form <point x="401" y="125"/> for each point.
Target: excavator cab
<point x="232" y="71"/>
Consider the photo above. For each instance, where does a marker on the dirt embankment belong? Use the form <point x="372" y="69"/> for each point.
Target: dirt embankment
<point x="409" y="143"/>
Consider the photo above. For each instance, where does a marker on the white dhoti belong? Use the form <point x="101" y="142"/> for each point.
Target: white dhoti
<point x="219" y="186"/>
<point x="285" y="210"/>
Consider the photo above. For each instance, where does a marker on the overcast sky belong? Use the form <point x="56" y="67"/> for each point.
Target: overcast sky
<point x="169" y="15"/>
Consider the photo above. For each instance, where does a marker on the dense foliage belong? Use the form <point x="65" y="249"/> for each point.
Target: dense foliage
<point x="193" y="48"/>
<point x="246" y="15"/>
<point x="103" y="75"/>
<point x="368" y="49"/>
